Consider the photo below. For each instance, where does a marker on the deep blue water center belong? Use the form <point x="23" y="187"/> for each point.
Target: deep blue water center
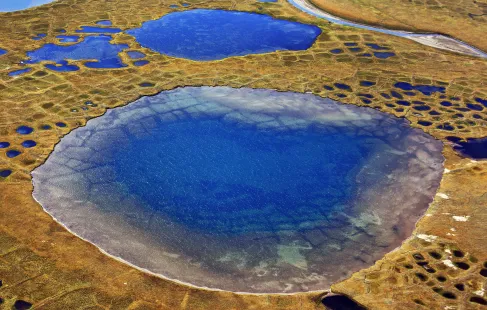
<point x="202" y="34"/>
<point x="219" y="178"/>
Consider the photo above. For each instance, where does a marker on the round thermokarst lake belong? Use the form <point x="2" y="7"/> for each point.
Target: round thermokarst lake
<point x="242" y="189"/>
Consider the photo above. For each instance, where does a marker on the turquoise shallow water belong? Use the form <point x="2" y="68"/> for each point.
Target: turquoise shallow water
<point x="286" y="192"/>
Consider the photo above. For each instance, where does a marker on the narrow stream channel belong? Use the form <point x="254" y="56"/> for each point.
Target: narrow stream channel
<point x="429" y="39"/>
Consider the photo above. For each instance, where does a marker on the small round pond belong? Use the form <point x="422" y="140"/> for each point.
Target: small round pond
<point x="242" y="189"/>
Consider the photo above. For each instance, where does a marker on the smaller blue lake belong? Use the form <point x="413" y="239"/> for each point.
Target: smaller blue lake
<point x="67" y="39"/>
<point x="92" y="29"/>
<point x="19" y="72"/>
<point x="94" y="47"/>
<point x="5" y="173"/>
<point x="62" y="66"/>
<point x="104" y="22"/>
<point x="2" y="52"/>
<point x="24" y="130"/>
<point x="29" y="143"/>
<point x="475" y="148"/>
<point x="424" y="89"/>
<point x="140" y="63"/>
<point x="135" y="54"/>
<point x="216" y="34"/>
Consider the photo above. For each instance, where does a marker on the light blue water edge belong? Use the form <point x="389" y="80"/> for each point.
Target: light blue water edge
<point x="286" y="192"/>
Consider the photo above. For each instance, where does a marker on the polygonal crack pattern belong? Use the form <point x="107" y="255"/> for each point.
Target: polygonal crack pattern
<point x="448" y="276"/>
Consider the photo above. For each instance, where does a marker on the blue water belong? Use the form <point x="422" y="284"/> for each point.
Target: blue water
<point x="427" y="90"/>
<point x="19" y="72"/>
<point x="96" y="47"/>
<point x="475" y="107"/>
<point x="3" y="52"/>
<point x="425" y="123"/>
<point x="110" y="63"/>
<point x="140" y="63"/>
<point x="104" y="22"/>
<point x="475" y="148"/>
<point x="62" y="66"/>
<point x="355" y="49"/>
<point x="384" y="55"/>
<point x="92" y="29"/>
<point x="233" y="181"/>
<point x="4" y="145"/>
<point x="135" y="54"/>
<point x="367" y="83"/>
<point x="206" y="171"/>
<point x="5" y="173"/>
<point x="39" y="36"/>
<point x="68" y="39"/>
<point x="29" y="143"/>
<point x="24" y="130"/>
<point x="215" y="34"/>
<point x="16" y="5"/>
<point x="481" y="101"/>
<point x="343" y="86"/>
<point x="12" y="153"/>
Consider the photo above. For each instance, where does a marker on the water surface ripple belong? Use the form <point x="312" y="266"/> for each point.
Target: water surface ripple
<point x="240" y="189"/>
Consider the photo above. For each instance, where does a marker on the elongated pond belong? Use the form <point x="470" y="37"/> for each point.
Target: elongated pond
<point x="241" y="189"/>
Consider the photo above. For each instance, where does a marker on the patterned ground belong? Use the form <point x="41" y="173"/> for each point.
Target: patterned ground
<point x="465" y="19"/>
<point x="43" y="264"/>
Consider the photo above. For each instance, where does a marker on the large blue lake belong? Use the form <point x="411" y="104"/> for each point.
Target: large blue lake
<point x="215" y="34"/>
<point x="286" y="192"/>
